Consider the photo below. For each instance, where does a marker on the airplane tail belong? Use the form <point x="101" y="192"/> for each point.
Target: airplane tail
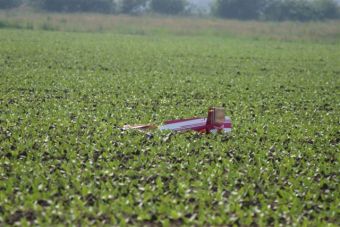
<point x="210" y="119"/>
<point x="215" y="120"/>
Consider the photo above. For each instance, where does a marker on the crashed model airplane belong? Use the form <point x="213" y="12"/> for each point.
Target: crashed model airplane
<point x="215" y="122"/>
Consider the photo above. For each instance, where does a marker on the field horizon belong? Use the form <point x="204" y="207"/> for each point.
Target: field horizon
<point x="169" y="25"/>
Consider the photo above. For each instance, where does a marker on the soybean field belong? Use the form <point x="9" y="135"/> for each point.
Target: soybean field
<point x="65" y="160"/>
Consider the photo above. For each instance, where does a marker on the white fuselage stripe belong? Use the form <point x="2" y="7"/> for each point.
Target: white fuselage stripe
<point x="188" y="124"/>
<point x="198" y="122"/>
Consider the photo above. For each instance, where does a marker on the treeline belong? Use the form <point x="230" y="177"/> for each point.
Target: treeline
<point x="280" y="10"/>
<point x="7" y="4"/>
<point x="103" y="6"/>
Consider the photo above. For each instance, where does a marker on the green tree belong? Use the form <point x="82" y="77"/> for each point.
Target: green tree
<point x="7" y="4"/>
<point x="326" y="9"/>
<point x="239" y="9"/>
<point x="301" y="10"/>
<point x="168" y="6"/>
<point x="103" y="6"/>
<point x="132" y="6"/>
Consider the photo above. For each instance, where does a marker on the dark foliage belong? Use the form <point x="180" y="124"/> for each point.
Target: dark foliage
<point x="300" y="10"/>
<point x="8" y="4"/>
<point x="239" y="9"/>
<point x="102" y="6"/>
<point x="168" y="6"/>
<point x="133" y="6"/>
